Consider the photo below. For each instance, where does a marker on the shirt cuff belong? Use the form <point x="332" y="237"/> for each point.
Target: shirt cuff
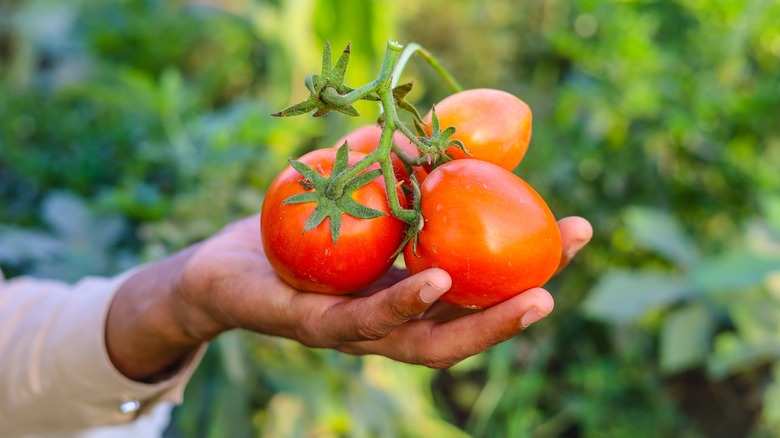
<point x="68" y="381"/>
<point x="113" y="394"/>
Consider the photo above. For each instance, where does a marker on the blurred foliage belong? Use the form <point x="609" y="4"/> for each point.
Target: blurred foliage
<point x="132" y="128"/>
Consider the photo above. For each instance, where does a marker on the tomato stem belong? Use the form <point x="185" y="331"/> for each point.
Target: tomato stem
<point x="408" y="159"/>
<point x="330" y="93"/>
<point x="381" y="85"/>
<point x="413" y="48"/>
<point x="384" y="149"/>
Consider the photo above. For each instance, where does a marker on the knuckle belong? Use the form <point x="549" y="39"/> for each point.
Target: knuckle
<point x="309" y="333"/>
<point x="398" y="310"/>
<point x="368" y="330"/>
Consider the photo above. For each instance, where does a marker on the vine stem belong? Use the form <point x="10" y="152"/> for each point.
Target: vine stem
<point x="394" y="62"/>
<point x="413" y="48"/>
<point x="385" y="146"/>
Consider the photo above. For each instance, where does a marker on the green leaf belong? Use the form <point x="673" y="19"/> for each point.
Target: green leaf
<point x="309" y="82"/>
<point x="362" y="179"/>
<point x="435" y="128"/>
<point x="732" y="354"/>
<point x="307" y="172"/>
<point x="408" y="107"/>
<point x="335" y="227"/>
<point x="733" y="272"/>
<point x="348" y="110"/>
<point x="317" y="216"/>
<point x="685" y="339"/>
<point x="449" y="132"/>
<point x="341" y="65"/>
<point x="400" y="91"/>
<point x="341" y="162"/>
<point x="304" y="107"/>
<point x="661" y="232"/>
<point x="622" y="296"/>
<point x="321" y="112"/>
<point x="302" y="198"/>
<point x="360" y="211"/>
<point x="327" y="59"/>
<point x="459" y="144"/>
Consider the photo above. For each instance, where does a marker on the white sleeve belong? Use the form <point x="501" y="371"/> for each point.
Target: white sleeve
<point x="55" y="372"/>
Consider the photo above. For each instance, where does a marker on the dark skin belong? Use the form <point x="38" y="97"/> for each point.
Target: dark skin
<point x="163" y="313"/>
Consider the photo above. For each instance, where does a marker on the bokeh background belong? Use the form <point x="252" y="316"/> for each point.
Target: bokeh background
<point x="132" y="128"/>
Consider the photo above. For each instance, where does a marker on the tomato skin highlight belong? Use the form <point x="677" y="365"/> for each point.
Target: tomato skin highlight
<point x="495" y="126"/>
<point x="488" y="229"/>
<point x="309" y="261"/>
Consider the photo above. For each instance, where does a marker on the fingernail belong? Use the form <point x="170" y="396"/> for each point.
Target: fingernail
<point x="576" y="247"/>
<point x="531" y="317"/>
<point x="430" y="293"/>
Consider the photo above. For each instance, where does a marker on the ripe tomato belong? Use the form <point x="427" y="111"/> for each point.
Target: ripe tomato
<point x="494" y="125"/>
<point x="366" y="139"/>
<point x="488" y="229"/>
<point x="310" y="261"/>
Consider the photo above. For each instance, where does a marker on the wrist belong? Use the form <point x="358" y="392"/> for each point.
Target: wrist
<point x="187" y="298"/>
<point x="146" y="336"/>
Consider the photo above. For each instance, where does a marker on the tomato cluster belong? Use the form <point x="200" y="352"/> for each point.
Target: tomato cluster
<point x="484" y="225"/>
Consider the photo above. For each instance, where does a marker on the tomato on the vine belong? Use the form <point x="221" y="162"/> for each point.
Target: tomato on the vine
<point x="488" y="229"/>
<point x="366" y="139"/>
<point x="310" y="260"/>
<point x="494" y="126"/>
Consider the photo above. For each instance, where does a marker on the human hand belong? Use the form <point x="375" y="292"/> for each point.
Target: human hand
<point x="232" y="285"/>
<point x="226" y="282"/>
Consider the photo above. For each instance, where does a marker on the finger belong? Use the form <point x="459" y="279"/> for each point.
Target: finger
<point x="441" y="311"/>
<point x="576" y="232"/>
<point x="375" y="316"/>
<point x="443" y="344"/>
<point x="392" y="276"/>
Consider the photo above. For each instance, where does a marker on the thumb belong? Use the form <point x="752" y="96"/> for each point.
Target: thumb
<point x="375" y="316"/>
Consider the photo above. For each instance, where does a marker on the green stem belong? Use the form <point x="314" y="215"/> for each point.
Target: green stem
<point x="333" y="97"/>
<point x="384" y="148"/>
<point x="406" y="158"/>
<point x="391" y="57"/>
<point x="408" y="216"/>
<point x="413" y="48"/>
<point x="413" y="138"/>
<point x="382" y="86"/>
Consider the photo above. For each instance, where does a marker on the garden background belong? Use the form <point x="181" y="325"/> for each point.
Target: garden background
<point x="132" y="128"/>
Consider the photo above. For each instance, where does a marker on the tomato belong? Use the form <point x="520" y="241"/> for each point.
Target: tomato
<point x="310" y="261"/>
<point x="366" y="139"/>
<point x="495" y="126"/>
<point x="488" y="229"/>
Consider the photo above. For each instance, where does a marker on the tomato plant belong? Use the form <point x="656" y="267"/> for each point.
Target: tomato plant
<point x="314" y="260"/>
<point x="493" y="125"/>
<point x="488" y="229"/>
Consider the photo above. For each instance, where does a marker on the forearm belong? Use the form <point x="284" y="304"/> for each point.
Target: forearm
<point x="55" y="370"/>
<point x="147" y="336"/>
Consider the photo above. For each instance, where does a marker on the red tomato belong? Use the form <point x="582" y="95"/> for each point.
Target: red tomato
<point x="309" y="261"/>
<point x="488" y="229"/>
<point x="366" y="139"/>
<point x="494" y="125"/>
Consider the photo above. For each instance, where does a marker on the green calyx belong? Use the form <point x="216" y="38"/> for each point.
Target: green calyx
<point x="328" y="91"/>
<point x="333" y="195"/>
<point x="332" y="207"/>
<point x="435" y="146"/>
